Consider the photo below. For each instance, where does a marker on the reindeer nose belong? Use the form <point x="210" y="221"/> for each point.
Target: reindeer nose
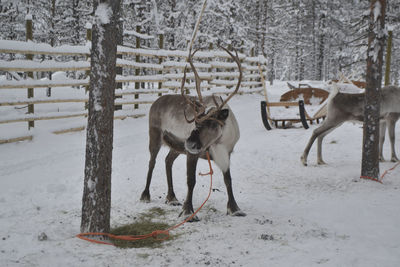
<point x="193" y="142"/>
<point x="196" y="145"/>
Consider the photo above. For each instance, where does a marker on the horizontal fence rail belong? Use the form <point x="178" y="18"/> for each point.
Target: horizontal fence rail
<point x="147" y="72"/>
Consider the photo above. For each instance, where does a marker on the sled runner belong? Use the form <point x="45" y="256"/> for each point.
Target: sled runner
<point x="304" y="105"/>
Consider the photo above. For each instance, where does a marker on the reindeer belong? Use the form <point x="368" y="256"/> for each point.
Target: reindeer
<point x="212" y="127"/>
<point x="344" y="107"/>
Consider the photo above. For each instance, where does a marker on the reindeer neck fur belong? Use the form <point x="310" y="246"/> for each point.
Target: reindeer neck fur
<point x="167" y="114"/>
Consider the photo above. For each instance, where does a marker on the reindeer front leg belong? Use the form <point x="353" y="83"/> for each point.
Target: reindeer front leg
<point x="320" y="161"/>
<point x="191" y="163"/>
<point x="308" y="147"/>
<point x="221" y="157"/>
<point x="326" y="127"/>
<point x="232" y="207"/>
<point x="321" y="137"/>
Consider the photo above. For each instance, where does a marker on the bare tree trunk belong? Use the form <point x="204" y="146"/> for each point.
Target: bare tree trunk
<point x="258" y="16"/>
<point x="264" y="22"/>
<point x="376" y="42"/>
<point x="171" y="38"/>
<point x="321" y="54"/>
<point x="272" y="23"/>
<point x="96" y="201"/>
<point x="314" y="42"/>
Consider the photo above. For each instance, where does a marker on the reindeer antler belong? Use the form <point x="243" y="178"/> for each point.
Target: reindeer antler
<point x="237" y="60"/>
<point x="199" y="107"/>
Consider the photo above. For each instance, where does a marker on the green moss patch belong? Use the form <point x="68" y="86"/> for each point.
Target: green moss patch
<point x="144" y="224"/>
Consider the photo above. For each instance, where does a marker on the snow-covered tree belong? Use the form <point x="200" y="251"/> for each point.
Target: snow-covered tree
<point x="96" y="201"/>
<point x="376" y="45"/>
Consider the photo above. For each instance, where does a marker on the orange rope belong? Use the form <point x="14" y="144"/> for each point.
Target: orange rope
<point x="383" y="175"/>
<point x="157" y="234"/>
<point x="391" y="169"/>
<point x="370" y="178"/>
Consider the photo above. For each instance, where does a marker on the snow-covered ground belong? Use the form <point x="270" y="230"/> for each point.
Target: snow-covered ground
<point x="296" y="215"/>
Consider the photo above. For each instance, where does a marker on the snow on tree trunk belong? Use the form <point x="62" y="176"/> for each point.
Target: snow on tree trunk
<point x="376" y="42"/>
<point x="96" y="201"/>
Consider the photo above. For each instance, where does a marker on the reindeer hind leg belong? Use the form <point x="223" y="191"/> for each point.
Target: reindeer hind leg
<point x="391" y="130"/>
<point x="154" y="147"/>
<point x="382" y="132"/>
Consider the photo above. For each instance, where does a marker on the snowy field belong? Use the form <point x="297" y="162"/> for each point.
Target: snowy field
<point x="296" y="215"/>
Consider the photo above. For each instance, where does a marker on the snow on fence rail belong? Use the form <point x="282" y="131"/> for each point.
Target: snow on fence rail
<point x="158" y="72"/>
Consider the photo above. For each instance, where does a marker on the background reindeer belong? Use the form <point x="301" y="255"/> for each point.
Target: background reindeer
<point x="344" y="107"/>
<point x="191" y="126"/>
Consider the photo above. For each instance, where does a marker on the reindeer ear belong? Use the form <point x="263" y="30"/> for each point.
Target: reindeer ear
<point x="223" y="114"/>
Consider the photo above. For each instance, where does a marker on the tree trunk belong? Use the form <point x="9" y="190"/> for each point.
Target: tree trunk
<point x="96" y="201"/>
<point x="314" y="42"/>
<point x="258" y="15"/>
<point x="388" y="57"/>
<point x="272" y="24"/>
<point x="376" y="42"/>
<point x="321" y="55"/>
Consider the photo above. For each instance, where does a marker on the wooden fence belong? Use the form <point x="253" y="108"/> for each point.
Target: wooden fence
<point x="156" y="72"/>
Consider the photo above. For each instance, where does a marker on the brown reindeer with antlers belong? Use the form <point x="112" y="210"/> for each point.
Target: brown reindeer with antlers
<point x="193" y="125"/>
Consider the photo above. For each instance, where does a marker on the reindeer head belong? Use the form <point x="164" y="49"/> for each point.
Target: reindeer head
<point x="209" y="120"/>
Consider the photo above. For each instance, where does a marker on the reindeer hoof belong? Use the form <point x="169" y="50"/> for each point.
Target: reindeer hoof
<point x="193" y="219"/>
<point x="234" y="210"/>
<point x="173" y="202"/>
<point x="394" y="159"/>
<point x="145" y="197"/>
<point x="238" y="213"/>
<point x="303" y="160"/>
<point x="321" y="162"/>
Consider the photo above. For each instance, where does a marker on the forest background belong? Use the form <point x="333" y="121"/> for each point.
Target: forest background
<point x="302" y="39"/>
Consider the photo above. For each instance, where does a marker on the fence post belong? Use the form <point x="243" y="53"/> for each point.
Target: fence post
<point x="52" y="40"/>
<point x="88" y="27"/>
<point x="388" y="57"/>
<point x="252" y="54"/>
<point x="137" y="70"/>
<point x="29" y="37"/>
<point x="120" y="39"/>
<point x="161" y="45"/>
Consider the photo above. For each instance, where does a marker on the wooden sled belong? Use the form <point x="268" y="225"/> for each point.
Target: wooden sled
<point x="268" y="120"/>
<point x="290" y="99"/>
